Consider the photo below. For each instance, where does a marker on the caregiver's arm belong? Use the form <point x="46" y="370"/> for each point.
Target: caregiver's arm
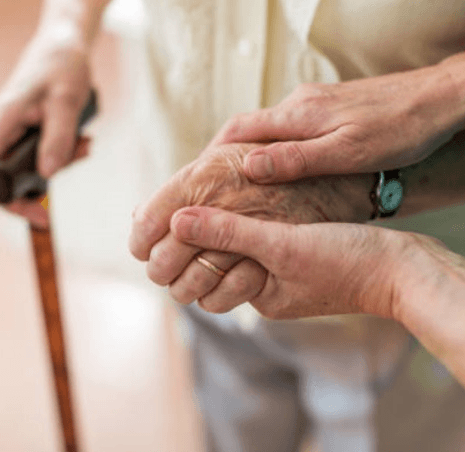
<point x="438" y="181"/>
<point x="363" y="125"/>
<point x="343" y="268"/>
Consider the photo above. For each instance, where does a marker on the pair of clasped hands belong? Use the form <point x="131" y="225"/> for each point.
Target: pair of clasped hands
<point x="272" y="201"/>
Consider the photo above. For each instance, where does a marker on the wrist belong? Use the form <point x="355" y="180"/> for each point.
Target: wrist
<point x="437" y="102"/>
<point x="454" y="68"/>
<point x="70" y="23"/>
<point x="356" y="190"/>
<point x="431" y="282"/>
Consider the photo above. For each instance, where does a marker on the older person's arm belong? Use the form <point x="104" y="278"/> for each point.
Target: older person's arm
<point x="216" y="179"/>
<point x="344" y="268"/>
<point x="370" y="124"/>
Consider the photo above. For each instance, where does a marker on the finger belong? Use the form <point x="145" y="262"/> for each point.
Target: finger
<point x="82" y="148"/>
<point x="264" y="241"/>
<point x="59" y="131"/>
<point x="151" y="220"/>
<point x="13" y="123"/>
<point x="283" y="122"/>
<point x="32" y="211"/>
<point x="242" y="284"/>
<point x="292" y="160"/>
<point x="264" y="125"/>
<point x="197" y="280"/>
<point x="168" y="259"/>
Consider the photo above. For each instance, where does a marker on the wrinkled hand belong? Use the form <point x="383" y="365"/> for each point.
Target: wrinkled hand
<point x="49" y="86"/>
<point x="312" y="270"/>
<point x="359" y="126"/>
<point x="33" y="210"/>
<point x="216" y="179"/>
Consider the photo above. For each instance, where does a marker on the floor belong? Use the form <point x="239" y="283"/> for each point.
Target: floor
<point x="129" y="368"/>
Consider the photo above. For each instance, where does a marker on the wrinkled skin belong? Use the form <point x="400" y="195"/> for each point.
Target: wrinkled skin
<point x="216" y="179"/>
<point x="312" y="270"/>
<point x="49" y="87"/>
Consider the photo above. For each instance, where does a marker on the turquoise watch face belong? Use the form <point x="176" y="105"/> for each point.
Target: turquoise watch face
<point x="391" y="195"/>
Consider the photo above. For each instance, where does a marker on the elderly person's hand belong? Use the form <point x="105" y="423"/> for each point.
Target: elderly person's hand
<point x="365" y="125"/>
<point x="216" y="179"/>
<point x="48" y="87"/>
<point x="325" y="269"/>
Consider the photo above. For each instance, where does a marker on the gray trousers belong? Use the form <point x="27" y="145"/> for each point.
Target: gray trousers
<point x="268" y="389"/>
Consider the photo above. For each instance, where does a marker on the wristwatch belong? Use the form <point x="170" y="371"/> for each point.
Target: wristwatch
<point x="387" y="194"/>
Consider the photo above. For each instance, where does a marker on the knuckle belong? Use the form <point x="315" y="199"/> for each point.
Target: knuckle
<point x="267" y="313"/>
<point x="239" y="284"/>
<point x="159" y="268"/>
<point x="195" y="285"/>
<point x="272" y="309"/>
<point x="295" y="158"/>
<point x="182" y="293"/>
<point x="68" y="97"/>
<point x="354" y="144"/>
<point x="313" y="91"/>
<point x="265" y="308"/>
<point x="224" y="235"/>
<point x="233" y="126"/>
<point x="274" y="315"/>
<point x="214" y="307"/>
<point x="153" y="274"/>
<point x="143" y="221"/>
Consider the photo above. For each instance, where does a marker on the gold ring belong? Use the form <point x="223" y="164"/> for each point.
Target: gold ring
<point x="210" y="266"/>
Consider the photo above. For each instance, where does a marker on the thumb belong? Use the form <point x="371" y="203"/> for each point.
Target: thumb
<point x="216" y="229"/>
<point x="292" y="160"/>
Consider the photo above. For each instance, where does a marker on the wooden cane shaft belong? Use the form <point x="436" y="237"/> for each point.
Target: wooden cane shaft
<point x="45" y="266"/>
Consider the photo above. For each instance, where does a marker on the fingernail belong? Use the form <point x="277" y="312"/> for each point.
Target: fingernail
<point x="260" y="166"/>
<point x="188" y="225"/>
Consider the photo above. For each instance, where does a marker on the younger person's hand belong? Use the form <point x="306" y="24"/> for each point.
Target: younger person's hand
<point x="359" y="126"/>
<point x="325" y="269"/>
<point x="312" y="270"/>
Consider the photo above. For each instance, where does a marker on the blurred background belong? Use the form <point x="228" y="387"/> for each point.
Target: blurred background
<point x="128" y="364"/>
<point x="127" y="349"/>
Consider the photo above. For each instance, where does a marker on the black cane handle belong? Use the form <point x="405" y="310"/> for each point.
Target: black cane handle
<point x="18" y="168"/>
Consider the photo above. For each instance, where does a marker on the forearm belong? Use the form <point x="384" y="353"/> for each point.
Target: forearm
<point x="438" y="181"/>
<point x="78" y="19"/>
<point x="432" y="306"/>
<point x="455" y="69"/>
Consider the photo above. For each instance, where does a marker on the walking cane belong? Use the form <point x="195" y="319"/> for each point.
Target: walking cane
<point x="19" y="179"/>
